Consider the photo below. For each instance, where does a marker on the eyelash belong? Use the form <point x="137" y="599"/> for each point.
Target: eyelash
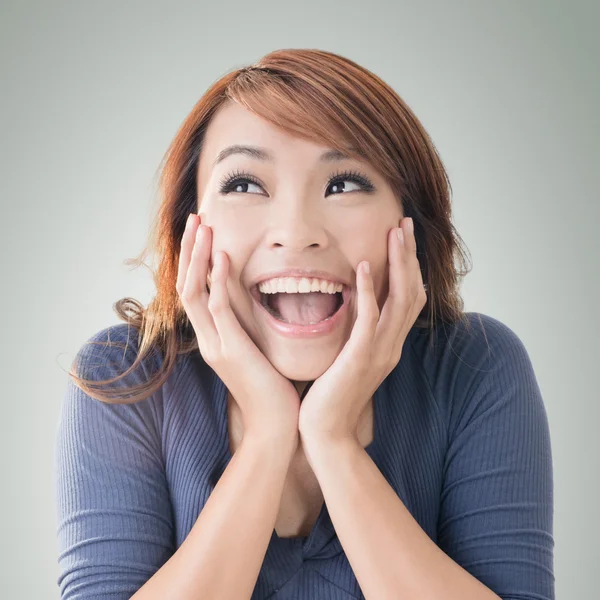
<point x="231" y="180"/>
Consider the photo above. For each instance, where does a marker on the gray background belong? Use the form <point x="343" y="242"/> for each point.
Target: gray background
<point x="92" y="94"/>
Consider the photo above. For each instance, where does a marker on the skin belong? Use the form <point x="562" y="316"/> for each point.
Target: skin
<point x="295" y="218"/>
<point x="290" y="222"/>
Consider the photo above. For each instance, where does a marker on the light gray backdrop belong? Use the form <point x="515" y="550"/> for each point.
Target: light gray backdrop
<point x="92" y="94"/>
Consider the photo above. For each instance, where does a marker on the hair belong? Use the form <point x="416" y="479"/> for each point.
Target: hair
<point x="321" y="97"/>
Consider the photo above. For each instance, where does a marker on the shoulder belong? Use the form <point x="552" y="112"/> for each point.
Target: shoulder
<point x="186" y="392"/>
<point x="118" y="352"/>
<point x="112" y="351"/>
<point x="475" y="361"/>
<point x="476" y="334"/>
<point x="117" y="383"/>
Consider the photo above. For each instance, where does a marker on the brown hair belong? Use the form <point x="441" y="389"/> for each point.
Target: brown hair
<point x="322" y="97"/>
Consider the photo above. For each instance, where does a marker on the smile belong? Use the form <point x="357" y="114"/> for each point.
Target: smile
<point x="268" y="303"/>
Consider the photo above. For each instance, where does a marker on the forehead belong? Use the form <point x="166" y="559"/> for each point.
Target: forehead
<point x="234" y="125"/>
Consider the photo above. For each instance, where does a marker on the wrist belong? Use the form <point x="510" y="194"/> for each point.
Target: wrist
<point x="321" y="439"/>
<point x="279" y="442"/>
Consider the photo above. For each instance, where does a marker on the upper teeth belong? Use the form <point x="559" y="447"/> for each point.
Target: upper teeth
<point x="302" y="285"/>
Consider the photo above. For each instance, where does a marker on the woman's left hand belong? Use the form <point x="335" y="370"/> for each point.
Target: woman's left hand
<point x="332" y="408"/>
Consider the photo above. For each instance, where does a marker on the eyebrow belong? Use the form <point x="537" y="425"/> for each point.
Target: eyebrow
<point x="265" y="155"/>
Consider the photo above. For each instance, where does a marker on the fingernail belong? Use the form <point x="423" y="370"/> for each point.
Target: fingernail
<point x="366" y="267"/>
<point x="400" y="234"/>
<point x="410" y="225"/>
<point x="189" y="219"/>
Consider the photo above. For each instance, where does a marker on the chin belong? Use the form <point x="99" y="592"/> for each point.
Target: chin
<point x="298" y="359"/>
<point x="302" y="366"/>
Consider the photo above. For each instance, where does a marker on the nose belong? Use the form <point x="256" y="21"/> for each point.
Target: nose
<point x="296" y="225"/>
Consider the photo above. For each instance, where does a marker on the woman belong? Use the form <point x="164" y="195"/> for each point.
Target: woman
<point x="304" y="410"/>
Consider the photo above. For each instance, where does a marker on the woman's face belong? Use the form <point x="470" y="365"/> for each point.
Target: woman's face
<point x="300" y="215"/>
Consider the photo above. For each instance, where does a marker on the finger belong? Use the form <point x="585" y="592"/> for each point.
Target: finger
<point x="195" y="293"/>
<point x="415" y="285"/>
<point x="368" y="310"/>
<point x="415" y="294"/>
<point x="410" y="242"/>
<point x="197" y="268"/>
<point x="233" y="337"/>
<point x="187" y="243"/>
<point x="395" y="310"/>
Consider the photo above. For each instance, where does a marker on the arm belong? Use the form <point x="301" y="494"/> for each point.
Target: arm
<point x="495" y="523"/>
<point x="390" y="554"/>
<point x="214" y="561"/>
<point x="115" y="525"/>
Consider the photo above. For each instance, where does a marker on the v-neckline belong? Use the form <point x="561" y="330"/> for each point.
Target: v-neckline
<point x="304" y="542"/>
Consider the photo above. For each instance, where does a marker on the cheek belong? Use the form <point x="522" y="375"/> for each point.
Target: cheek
<point x="231" y="235"/>
<point x="371" y="246"/>
<point x="364" y="232"/>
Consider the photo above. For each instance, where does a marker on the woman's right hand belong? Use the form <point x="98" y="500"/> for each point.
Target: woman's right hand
<point x="268" y="401"/>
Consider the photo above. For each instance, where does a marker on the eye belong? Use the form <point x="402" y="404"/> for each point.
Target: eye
<point x="234" y="181"/>
<point x="339" y="180"/>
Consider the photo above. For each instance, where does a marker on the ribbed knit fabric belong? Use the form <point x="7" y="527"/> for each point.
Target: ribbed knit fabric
<point x="461" y="435"/>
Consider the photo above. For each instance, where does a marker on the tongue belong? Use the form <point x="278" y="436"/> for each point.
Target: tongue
<point x="304" y="309"/>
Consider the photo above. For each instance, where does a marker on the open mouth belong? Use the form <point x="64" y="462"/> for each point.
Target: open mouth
<point x="307" y="308"/>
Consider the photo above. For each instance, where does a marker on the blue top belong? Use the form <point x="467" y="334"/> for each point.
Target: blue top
<point x="460" y="433"/>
